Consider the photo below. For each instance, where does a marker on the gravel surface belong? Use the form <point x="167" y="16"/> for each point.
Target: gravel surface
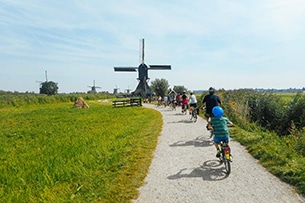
<point x="185" y="169"/>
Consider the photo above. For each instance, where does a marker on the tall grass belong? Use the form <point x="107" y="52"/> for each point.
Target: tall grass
<point x="21" y="99"/>
<point x="272" y="128"/>
<point x="55" y="153"/>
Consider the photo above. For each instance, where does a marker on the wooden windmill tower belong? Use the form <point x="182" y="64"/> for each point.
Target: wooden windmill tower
<point x="142" y="89"/>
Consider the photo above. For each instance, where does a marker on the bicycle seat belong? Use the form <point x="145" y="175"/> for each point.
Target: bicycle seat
<point x="223" y="142"/>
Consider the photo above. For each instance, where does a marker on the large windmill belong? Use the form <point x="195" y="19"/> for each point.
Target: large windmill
<point x="142" y="89"/>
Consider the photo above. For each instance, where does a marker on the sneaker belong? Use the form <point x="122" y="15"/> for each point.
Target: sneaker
<point x="231" y="158"/>
<point x="218" y="154"/>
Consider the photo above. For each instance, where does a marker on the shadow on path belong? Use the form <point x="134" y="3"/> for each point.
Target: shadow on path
<point x="197" y="142"/>
<point x="211" y="170"/>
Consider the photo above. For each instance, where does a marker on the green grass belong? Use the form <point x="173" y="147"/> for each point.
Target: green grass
<point x="278" y="155"/>
<point x="55" y="153"/>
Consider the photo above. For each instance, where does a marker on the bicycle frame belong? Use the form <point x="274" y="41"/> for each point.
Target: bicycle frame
<point x="194" y="113"/>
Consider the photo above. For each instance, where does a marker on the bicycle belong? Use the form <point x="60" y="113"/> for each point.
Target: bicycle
<point x="194" y="113"/>
<point x="184" y="108"/>
<point x="174" y="105"/>
<point x="225" y="156"/>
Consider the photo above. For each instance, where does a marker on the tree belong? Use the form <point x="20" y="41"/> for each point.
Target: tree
<point x="160" y="86"/>
<point x="179" y="89"/>
<point x="49" y="88"/>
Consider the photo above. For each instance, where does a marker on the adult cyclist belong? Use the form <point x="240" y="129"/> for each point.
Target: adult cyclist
<point x="209" y="102"/>
<point x="184" y="102"/>
<point x="192" y="102"/>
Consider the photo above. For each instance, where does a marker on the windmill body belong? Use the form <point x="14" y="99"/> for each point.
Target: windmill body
<point x="142" y="89"/>
<point x="93" y="88"/>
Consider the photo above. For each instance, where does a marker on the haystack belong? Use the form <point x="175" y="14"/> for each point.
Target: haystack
<point x="80" y="103"/>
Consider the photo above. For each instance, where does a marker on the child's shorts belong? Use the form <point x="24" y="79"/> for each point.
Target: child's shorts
<point x="218" y="139"/>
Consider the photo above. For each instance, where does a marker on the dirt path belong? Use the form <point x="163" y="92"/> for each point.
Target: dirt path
<point x="185" y="169"/>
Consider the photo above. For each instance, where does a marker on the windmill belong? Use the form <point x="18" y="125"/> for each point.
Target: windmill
<point x="46" y="75"/>
<point x="142" y="88"/>
<point x="93" y="88"/>
<point x="127" y="90"/>
<point x="116" y="90"/>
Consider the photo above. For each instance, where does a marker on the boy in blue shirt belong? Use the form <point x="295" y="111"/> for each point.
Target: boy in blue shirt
<point x="219" y="125"/>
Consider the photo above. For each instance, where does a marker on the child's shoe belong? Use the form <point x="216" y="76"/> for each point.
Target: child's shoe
<point x="231" y="158"/>
<point x="218" y="153"/>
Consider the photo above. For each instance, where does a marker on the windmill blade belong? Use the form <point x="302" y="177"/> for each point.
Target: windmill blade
<point x="125" y="69"/>
<point x="142" y="50"/>
<point x="160" y="67"/>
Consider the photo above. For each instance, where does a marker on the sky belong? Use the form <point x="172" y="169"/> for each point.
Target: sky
<point x="228" y="44"/>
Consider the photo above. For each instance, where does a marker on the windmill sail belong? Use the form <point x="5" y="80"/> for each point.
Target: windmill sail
<point x="125" y="69"/>
<point x="160" y="67"/>
<point x="142" y="88"/>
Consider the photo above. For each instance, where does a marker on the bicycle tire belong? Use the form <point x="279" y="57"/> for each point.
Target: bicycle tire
<point x="227" y="163"/>
<point x="194" y="115"/>
<point x="227" y="166"/>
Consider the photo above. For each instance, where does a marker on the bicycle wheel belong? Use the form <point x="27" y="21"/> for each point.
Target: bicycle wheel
<point x="194" y="115"/>
<point x="227" y="163"/>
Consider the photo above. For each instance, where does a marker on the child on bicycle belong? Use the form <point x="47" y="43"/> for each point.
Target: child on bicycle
<point x="220" y="125"/>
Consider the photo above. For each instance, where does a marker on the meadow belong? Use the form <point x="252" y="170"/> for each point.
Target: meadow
<point x="51" y="152"/>
<point x="55" y="153"/>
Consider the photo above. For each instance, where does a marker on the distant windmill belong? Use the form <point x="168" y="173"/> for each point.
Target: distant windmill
<point x="93" y="88"/>
<point x="46" y="75"/>
<point x="142" y="88"/>
<point x="116" y="90"/>
<point x="128" y="90"/>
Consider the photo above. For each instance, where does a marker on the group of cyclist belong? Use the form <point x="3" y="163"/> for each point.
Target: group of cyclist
<point x="213" y="114"/>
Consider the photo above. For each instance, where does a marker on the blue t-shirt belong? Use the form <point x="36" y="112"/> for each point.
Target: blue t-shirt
<point x="220" y="126"/>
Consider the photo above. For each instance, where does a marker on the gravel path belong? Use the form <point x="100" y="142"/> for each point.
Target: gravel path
<point x="185" y="169"/>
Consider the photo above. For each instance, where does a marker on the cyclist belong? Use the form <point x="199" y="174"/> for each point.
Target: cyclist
<point x="159" y="100"/>
<point x="209" y="101"/>
<point x="192" y="102"/>
<point x="220" y="125"/>
<point x="184" y="102"/>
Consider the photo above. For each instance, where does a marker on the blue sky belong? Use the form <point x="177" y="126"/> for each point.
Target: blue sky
<point x="227" y="44"/>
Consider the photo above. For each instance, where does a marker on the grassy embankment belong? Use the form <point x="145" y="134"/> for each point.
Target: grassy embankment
<point x="55" y="153"/>
<point x="282" y="155"/>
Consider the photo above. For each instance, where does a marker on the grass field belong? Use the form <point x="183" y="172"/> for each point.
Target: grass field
<point x="55" y="153"/>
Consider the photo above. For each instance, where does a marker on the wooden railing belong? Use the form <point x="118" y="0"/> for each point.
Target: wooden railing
<point x="127" y="102"/>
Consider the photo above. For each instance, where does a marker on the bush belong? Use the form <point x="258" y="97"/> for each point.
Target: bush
<point x="266" y="110"/>
<point x="295" y="114"/>
<point x="21" y="99"/>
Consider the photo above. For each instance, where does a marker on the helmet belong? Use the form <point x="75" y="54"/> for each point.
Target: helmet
<point x="217" y="111"/>
<point x="211" y="89"/>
